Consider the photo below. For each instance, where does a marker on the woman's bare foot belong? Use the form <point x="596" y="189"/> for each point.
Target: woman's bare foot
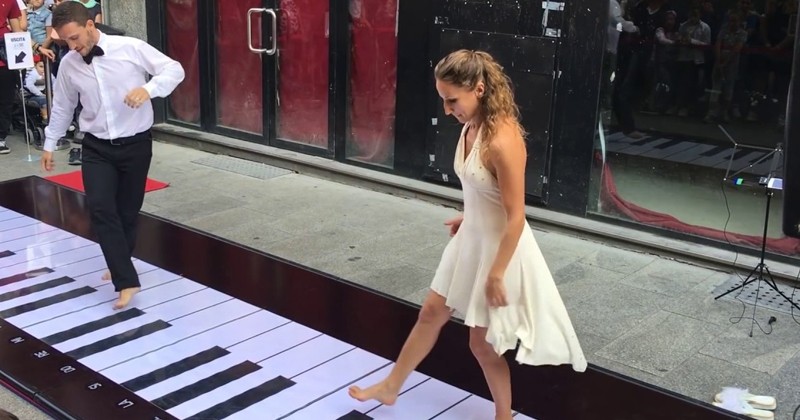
<point x="125" y="296"/>
<point x="107" y="275"/>
<point x="381" y="392"/>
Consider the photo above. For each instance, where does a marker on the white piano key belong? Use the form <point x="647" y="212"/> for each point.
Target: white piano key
<point x="74" y="270"/>
<point x="24" y="232"/>
<point x="10" y="214"/>
<point x="104" y="333"/>
<point x="274" y="341"/>
<point x="262" y="347"/>
<point x="286" y="364"/>
<point x="78" y="311"/>
<point x="37" y="240"/>
<point x="53" y="261"/>
<point x="39" y="252"/>
<point x="17" y="222"/>
<point x="90" y="279"/>
<point x="339" y="403"/>
<point x="143" y="266"/>
<point x="154" y="296"/>
<point x="224" y="336"/>
<point x="216" y="314"/>
<point x="306" y="356"/>
<point x="473" y="408"/>
<point x="33" y="297"/>
<point x="191" y="377"/>
<point x="221" y="394"/>
<point x="150" y="276"/>
<point x="520" y="416"/>
<point x="422" y="402"/>
<point x="330" y="377"/>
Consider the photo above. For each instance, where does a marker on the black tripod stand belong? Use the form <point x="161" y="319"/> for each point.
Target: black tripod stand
<point x="757" y="273"/>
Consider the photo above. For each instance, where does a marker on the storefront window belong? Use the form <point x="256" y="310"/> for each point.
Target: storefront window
<point x="182" y="41"/>
<point x="373" y="81"/>
<point x="692" y="116"/>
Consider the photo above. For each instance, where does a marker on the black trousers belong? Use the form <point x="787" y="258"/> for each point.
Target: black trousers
<point x="8" y="83"/>
<point x="114" y="177"/>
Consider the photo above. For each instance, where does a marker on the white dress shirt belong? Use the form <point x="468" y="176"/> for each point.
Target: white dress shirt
<point x="101" y="88"/>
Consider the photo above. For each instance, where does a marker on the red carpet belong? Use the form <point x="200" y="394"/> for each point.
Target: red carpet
<point x="613" y="202"/>
<point x="74" y="180"/>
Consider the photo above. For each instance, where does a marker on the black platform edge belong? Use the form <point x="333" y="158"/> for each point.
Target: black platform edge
<point x="373" y="321"/>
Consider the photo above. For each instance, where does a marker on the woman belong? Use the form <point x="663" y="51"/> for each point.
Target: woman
<point x="492" y="271"/>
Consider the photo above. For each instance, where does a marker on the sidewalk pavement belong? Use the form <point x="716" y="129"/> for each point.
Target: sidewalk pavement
<point x="652" y="318"/>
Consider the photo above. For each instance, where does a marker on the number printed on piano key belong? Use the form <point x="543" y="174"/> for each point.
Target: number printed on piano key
<point x="95" y="386"/>
<point x="17" y="340"/>
<point x="125" y="404"/>
<point x="67" y="369"/>
<point x="41" y="354"/>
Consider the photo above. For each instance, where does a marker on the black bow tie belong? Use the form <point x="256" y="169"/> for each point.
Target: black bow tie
<point x="96" y="51"/>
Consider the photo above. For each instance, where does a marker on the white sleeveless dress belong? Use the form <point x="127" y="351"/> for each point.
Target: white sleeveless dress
<point x="535" y="317"/>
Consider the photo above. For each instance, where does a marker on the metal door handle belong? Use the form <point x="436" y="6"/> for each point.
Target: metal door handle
<point x="272" y="13"/>
<point x="250" y="31"/>
<point x="274" y="48"/>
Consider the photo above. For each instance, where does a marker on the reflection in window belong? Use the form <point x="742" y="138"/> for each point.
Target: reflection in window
<point x="184" y="103"/>
<point x="373" y="81"/>
<point x="693" y="92"/>
<point x="303" y="71"/>
<point x="239" y="78"/>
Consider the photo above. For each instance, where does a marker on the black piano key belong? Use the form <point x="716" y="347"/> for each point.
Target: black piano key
<point x="6" y="254"/>
<point x="92" y="326"/>
<point x="355" y="415"/>
<point x="24" y="276"/>
<point x="244" y="400"/>
<point x="757" y="158"/>
<point x="52" y="300"/>
<point x="740" y="154"/>
<point x="203" y="386"/>
<point x="714" y="151"/>
<point x="175" y="369"/>
<point x="668" y="144"/>
<point x="35" y="288"/>
<point x="642" y="142"/>
<point x="117" y="340"/>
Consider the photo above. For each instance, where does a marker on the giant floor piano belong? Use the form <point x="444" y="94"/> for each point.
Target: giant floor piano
<point x="220" y="331"/>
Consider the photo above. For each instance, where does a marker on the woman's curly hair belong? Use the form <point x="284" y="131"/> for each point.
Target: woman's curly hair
<point x="466" y="68"/>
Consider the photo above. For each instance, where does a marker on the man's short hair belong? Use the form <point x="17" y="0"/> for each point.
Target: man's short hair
<point x="69" y="12"/>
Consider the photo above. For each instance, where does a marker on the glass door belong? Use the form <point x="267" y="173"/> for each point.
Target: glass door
<point x="272" y="84"/>
<point x="238" y="89"/>
<point x="300" y="77"/>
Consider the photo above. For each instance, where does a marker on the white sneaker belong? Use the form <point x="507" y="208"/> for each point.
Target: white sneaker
<point x="740" y="401"/>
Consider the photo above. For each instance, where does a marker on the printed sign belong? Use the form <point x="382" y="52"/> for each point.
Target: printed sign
<point x="18" y="50"/>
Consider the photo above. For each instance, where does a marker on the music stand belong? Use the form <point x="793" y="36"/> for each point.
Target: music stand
<point x="770" y="184"/>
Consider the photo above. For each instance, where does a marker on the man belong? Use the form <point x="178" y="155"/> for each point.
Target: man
<point x="107" y="74"/>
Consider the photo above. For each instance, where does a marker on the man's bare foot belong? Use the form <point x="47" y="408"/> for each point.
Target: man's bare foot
<point x="380" y="392"/>
<point x="125" y="296"/>
<point x="107" y="275"/>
